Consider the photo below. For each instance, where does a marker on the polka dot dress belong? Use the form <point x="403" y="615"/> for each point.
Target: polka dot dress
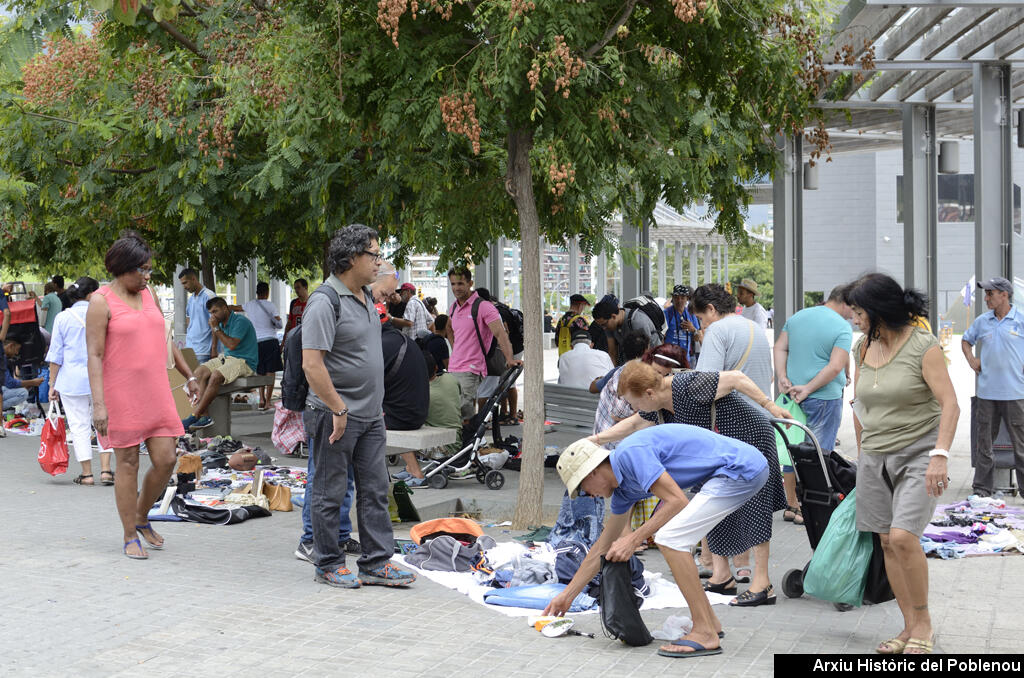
<point x="692" y="396"/>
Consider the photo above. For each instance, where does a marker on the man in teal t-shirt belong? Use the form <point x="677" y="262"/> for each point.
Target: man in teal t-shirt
<point x="50" y="303"/>
<point x="811" y="355"/>
<point x="239" y="359"/>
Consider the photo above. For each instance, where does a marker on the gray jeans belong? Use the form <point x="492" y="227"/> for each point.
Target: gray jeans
<point x="362" y="445"/>
<point x="989" y="414"/>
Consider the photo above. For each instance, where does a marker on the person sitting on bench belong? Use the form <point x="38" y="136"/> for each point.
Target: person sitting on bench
<point x="238" y="336"/>
<point x="406" y="391"/>
<point x="663" y="461"/>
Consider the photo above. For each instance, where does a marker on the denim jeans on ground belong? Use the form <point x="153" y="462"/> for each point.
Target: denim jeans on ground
<point x="14" y="396"/>
<point x="361" y="446"/>
<point x="345" y="529"/>
<point x="823" y="418"/>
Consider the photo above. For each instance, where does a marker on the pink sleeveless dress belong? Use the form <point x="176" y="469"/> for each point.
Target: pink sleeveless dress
<point x="136" y="390"/>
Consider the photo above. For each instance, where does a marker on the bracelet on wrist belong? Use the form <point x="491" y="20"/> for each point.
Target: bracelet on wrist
<point x="937" y="452"/>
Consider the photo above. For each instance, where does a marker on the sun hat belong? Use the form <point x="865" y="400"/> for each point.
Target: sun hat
<point x="749" y="284"/>
<point x="577" y="461"/>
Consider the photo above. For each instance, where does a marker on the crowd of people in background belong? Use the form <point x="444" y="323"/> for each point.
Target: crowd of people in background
<point x="684" y="400"/>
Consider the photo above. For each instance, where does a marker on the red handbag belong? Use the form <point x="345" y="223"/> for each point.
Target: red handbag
<point x="53" y="444"/>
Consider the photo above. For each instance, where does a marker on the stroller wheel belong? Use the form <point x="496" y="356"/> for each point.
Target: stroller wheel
<point x="793" y="584"/>
<point x="392" y="460"/>
<point x="481" y="475"/>
<point x="439" y="481"/>
<point x="495" y="480"/>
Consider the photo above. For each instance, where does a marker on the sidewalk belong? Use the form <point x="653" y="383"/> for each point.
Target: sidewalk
<point x="233" y="600"/>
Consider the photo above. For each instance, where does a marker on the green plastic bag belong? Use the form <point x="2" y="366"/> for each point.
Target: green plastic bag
<point x="838" y="570"/>
<point x="794" y="434"/>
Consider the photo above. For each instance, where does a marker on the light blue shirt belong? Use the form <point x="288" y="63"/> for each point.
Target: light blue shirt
<point x="199" y="336"/>
<point x="67" y="349"/>
<point x="689" y="454"/>
<point x="813" y="333"/>
<point x="1002" y="354"/>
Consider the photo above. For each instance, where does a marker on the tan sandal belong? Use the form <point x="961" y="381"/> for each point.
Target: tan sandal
<point x="918" y="646"/>
<point x="891" y="646"/>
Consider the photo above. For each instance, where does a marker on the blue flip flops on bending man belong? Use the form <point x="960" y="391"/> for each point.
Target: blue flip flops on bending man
<point x="663" y="461"/>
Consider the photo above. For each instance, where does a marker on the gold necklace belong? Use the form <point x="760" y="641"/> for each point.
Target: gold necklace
<point x="880" y="365"/>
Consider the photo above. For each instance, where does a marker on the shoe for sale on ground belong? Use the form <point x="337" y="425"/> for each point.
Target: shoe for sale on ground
<point x="352" y="546"/>
<point x="304" y="551"/>
<point x="386" y="575"/>
<point x="415" y="482"/>
<point x="341" y="578"/>
<point x="401" y="475"/>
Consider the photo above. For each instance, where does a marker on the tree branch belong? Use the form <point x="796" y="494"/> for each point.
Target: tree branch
<point x="133" y="172"/>
<point x="175" y="33"/>
<point x="612" y="30"/>
<point x="189" y="11"/>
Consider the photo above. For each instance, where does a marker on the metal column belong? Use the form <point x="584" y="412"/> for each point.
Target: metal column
<point x="693" y="267"/>
<point x="920" y="205"/>
<point x="180" y="301"/>
<point x="707" y="264"/>
<point x="246" y="283"/>
<point x="662" y="273"/>
<point x="629" y="249"/>
<point x="644" y="254"/>
<point x="573" y="246"/>
<point x="787" y="209"/>
<point x="725" y="264"/>
<point x="601" y="285"/>
<point x="993" y="182"/>
<point x="677" y="252"/>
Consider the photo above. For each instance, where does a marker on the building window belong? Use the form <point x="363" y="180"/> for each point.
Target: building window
<point x="956" y="200"/>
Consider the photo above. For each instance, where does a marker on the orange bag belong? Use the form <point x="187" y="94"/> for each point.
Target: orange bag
<point x="53" y="445"/>
<point x="460" y="528"/>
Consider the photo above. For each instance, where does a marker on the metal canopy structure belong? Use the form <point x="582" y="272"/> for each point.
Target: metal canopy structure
<point x="941" y="71"/>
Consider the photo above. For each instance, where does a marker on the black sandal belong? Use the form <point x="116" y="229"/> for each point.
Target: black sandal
<point x="723" y="588"/>
<point x="106" y="481"/>
<point x="81" y="477"/>
<point x="751" y="599"/>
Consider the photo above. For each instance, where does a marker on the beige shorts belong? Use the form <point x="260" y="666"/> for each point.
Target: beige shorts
<point x="230" y="367"/>
<point x="891" y="490"/>
<point x="470" y="383"/>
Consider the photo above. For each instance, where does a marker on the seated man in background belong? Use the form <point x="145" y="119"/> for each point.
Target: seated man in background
<point x="436" y="344"/>
<point x="581" y="365"/>
<point x="406" y="391"/>
<point x="445" y="403"/>
<point x="239" y="359"/>
<point x="15" y="391"/>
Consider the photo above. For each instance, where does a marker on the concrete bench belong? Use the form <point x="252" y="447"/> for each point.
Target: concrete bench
<point x="220" y="408"/>
<point x="422" y="438"/>
<point x="573" y="407"/>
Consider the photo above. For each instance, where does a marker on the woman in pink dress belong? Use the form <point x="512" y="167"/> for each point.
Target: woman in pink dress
<point x="132" y="400"/>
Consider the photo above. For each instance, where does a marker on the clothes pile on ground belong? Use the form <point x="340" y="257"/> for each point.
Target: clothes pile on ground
<point x="979" y="526"/>
<point x="26" y="419"/>
<point x="207" y="488"/>
<point x="518" y="579"/>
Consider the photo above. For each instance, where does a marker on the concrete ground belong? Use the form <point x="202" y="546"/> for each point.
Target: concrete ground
<point x="234" y="601"/>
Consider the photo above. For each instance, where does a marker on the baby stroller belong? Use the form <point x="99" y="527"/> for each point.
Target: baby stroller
<point x="822" y="482"/>
<point x="474" y="437"/>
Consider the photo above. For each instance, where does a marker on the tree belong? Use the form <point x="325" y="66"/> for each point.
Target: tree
<point x="531" y="118"/>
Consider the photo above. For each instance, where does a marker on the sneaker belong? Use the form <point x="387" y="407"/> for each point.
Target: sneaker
<point x="401" y="475"/>
<point x="386" y="575"/>
<point x="203" y="422"/>
<point x="340" y="577"/>
<point x="415" y="482"/>
<point x="304" y="551"/>
<point x="188" y="421"/>
<point x="352" y="546"/>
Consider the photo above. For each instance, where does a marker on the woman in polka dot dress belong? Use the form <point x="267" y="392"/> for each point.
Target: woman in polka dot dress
<point x="708" y="400"/>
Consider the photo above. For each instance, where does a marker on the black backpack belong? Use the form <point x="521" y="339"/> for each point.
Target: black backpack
<point x="294" y="387"/>
<point x="512" y="317"/>
<point x="650" y="308"/>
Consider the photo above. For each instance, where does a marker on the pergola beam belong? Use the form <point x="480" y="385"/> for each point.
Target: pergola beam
<point x="986" y="33"/>
<point x="951" y="31"/>
<point x="911" y="30"/>
<point x="915" y="82"/>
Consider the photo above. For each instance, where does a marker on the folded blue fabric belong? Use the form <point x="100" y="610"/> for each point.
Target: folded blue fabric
<point x="536" y="597"/>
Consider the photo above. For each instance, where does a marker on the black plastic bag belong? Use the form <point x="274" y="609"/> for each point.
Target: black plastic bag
<point x="620" y="603"/>
<point x="215" y="515"/>
<point x="877" y="589"/>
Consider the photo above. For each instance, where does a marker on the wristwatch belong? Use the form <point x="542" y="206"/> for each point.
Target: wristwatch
<point x="340" y="413"/>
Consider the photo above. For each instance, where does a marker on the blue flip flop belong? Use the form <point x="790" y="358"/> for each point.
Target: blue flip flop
<point x="149" y="527"/>
<point x="698" y="650"/>
<point x="132" y="555"/>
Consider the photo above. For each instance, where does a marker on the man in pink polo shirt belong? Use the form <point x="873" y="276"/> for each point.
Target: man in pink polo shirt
<point x="467" y="362"/>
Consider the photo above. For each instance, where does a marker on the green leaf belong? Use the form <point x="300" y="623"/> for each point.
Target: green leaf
<point x="126" y="11"/>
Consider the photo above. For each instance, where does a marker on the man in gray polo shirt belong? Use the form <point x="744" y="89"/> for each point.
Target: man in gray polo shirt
<point x="344" y="364"/>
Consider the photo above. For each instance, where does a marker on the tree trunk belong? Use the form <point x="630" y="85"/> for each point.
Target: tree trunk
<point x="520" y="186"/>
<point x="206" y="264"/>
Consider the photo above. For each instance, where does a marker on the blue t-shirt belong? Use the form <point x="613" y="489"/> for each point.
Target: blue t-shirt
<point x="198" y="337"/>
<point x="1002" y="354"/>
<point x="674" y="332"/>
<point x="691" y="455"/>
<point x="240" y="327"/>
<point x="3" y="302"/>
<point x="813" y="333"/>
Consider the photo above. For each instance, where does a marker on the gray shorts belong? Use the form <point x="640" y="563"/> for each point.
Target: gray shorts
<point x="470" y="383"/>
<point x="891" y="490"/>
